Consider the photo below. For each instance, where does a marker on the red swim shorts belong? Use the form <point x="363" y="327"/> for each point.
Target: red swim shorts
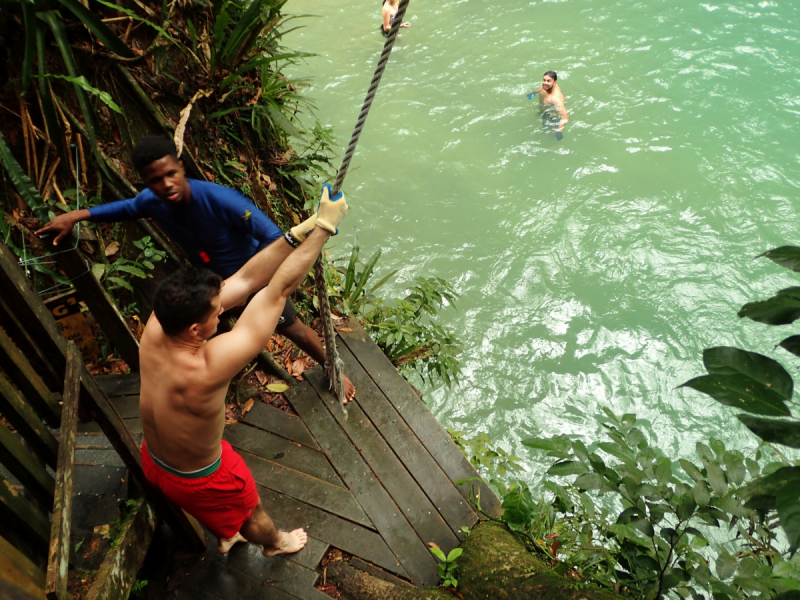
<point x="222" y="501"/>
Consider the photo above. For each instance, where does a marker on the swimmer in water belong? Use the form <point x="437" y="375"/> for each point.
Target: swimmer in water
<point x="554" y="112"/>
<point x="388" y="13"/>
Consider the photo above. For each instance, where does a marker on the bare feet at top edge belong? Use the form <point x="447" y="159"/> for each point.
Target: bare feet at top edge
<point x="349" y="389"/>
<point x="224" y="545"/>
<point x="290" y="542"/>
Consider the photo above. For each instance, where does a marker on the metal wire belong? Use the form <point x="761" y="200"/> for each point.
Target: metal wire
<point x="333" y="363"/>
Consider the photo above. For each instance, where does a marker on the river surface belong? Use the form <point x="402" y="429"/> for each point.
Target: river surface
<point x="592" y="270"/>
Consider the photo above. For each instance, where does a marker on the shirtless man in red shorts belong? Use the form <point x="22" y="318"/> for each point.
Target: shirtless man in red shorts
<point x="185" y="376"/>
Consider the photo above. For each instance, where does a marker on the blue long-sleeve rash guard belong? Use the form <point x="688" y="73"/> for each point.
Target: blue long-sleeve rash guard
<point x="219" y="229"/>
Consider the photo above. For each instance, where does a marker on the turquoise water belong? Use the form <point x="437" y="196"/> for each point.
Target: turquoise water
<point x="593" y="271"/>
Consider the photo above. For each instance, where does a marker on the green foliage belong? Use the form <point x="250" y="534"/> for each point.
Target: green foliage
<point x="138" y="587"/>
<point x="447" y="566"/>
<point x="631" y="518"/>
<point x="492" y="462"/>
<point x="763" y="387"/>
<point x="405" y="330"/>
<point x="117" y="275"/>
<point x="22" y="183"/>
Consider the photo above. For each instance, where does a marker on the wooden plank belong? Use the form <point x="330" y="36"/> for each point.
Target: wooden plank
<point x="221" y="581"/>
<point x="289" y="514"/>
<point x="281" y="451"/>
<point x="313" y="491"/>
<point x="311" y="554"/>
<point x="76" y="267"/>
<point x="417" y="508"/>
<point x="26" y="467"/>
<point x="24" y="303"/>
<point x="25" y="377"/>
<point x="41" y="365"/>
<point x="119" y="385"/>
<point x="120" y="437"/>
<point x="389" y="519"/>
<point x="20" y="572"/>
<point x="284" y="574"/>
<point x="417" y="416"/>
<point x="58" y="556"/>
<point x="20" y="515"/>
<point x="455" y="509"/>
<point x="21" y="416"/>
<point x="280" y="423"/>
<point x="117" y="573"/>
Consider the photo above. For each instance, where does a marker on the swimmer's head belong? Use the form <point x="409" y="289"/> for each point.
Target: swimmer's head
<point x="549" y="80"/>
<point x="188" y="301"/>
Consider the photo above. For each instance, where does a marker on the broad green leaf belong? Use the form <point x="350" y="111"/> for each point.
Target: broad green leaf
<point x="579" y="449"/>
<point x="774" y="483"/>
<point x="619" y="451"/>
<point x="740" y="392"/>
<point x="24" y="186"/>
<point x="734" y="467"/>
<point x="732" y="506"/>
<point x="783" y="308"/>
<point x="568" y="467"/>
<point x="439" y="554"/>
<point x="98" y="269"/>
<point x="701" y="493"/>
<point x="518" y="510"/>
<point x="119" y="282"/>
<point x="454" y="554"/>
<point x="559" y="445"/>
<point x="717" y="446"/>
<point x="791" y="595"/>
<point x="99" y="29"/>
<point x="785" y="256"/>
<point x="135" y="271"/>
<point x="788" y="504"/>
<point x="691" y="470"/>
<point x="589" y="481"/>
<point x="81" y="82"/>
<point x="277" y="388"/>
<point x="634" y="437"/>
<point x="726" y="565"/>
<point x="716" y="478"/>
<point x="792" y="344"/>
<point x="774" y="430"/>
<point x="725" y="360"/>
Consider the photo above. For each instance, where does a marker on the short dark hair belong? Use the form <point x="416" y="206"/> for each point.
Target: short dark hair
<point x="152" y="148"/>
<point x="551" y="74"/>
<point x="184" y="298"/>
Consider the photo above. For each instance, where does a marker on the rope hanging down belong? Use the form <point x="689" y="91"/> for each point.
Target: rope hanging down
<point x="333" y="364"/>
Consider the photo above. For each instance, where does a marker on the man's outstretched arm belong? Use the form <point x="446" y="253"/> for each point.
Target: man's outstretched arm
<point x="228" y="353"/>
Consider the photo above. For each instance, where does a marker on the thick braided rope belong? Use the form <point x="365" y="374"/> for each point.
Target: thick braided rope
<point x="333" y="364"/>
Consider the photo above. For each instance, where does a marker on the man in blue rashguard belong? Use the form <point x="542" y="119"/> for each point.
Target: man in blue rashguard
<point x="217" y="227"/>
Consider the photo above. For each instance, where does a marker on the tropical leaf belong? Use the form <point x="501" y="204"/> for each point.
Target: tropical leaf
<point x="81" y="82"/>
<point x="792" y="344"/>
<point x="773" y="430"/>
<point x="568" y="467"/>
<point x="783" y="308"/>
<point x="773" y="484"/>
<point x="365" y="275"/>
<point x="98" y="28"/>
<point x="785" y="256"/>
<point x="22" y="183"/>
<point x="54" y="20"/>
<point x="740" y="392"/>
<point x="725" y="360"/>
<point x="788" y="504"/>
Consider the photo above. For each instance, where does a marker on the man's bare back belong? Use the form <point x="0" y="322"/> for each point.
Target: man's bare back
<point x="183" y="414"/>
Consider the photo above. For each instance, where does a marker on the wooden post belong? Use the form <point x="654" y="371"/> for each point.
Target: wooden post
<point x="76" y="267"/>
<point x="58" y="556"/>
